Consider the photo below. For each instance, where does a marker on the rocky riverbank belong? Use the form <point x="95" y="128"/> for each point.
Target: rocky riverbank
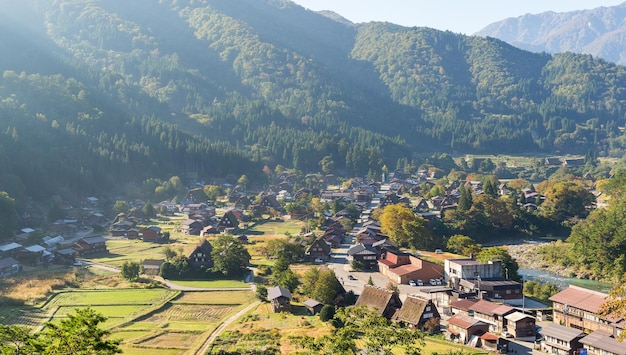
<point x="527" y="257"/>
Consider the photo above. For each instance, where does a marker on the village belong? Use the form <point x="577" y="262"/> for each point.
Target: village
<point x="472" y="303"/>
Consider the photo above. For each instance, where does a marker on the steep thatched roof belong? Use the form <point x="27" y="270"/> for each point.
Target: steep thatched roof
<point x="412" y="310"/>
<point x="378" y="299"/>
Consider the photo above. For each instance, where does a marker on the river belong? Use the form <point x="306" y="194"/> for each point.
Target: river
<point x="562" y="281"/>
<point x="533" y="267"/>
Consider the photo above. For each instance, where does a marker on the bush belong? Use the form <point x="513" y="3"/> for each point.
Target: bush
<point x="327" y="313"/>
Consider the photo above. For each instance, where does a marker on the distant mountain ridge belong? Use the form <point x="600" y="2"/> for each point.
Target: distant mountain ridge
<point x="600" y="32"/>
<point x="94" y="92"/>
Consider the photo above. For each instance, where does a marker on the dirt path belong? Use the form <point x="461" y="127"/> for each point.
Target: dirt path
<point x="205" y="347"/>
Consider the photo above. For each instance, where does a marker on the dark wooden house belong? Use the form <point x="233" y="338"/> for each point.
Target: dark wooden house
<point x="200" y="256"/>
<point x="280" y="299"/>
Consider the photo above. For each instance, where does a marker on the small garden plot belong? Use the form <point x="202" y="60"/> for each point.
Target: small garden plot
<point x="111" y="297"/>
<point x="128" y="350"/>
<point x="128" y="336"/>
<point x="190" y="326"/>
<point x="258" y="339"/>
<point x="178" y="312"/>
<point x="31" y="318"/>
<point x="211" y="283"/>
<point x="216" y="297"/>
<point x="170" y="340"/>
<point x="113" y="311"/>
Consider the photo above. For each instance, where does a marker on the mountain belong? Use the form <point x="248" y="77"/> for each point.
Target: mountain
<point x="99" y="93"/>
<point x="600" y="32"/>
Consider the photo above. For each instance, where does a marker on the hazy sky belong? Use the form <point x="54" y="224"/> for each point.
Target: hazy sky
<point x="461" y="16"/>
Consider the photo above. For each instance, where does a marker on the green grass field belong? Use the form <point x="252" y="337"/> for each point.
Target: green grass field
<point x="212" y="283"/>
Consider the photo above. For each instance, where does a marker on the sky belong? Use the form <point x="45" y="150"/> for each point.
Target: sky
<point x="460" y="16"/>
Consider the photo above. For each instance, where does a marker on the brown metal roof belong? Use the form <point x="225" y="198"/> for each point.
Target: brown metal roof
<point x="606" y="342"/>
<point x="580" y="298"/>
<point x="463" y="321"/>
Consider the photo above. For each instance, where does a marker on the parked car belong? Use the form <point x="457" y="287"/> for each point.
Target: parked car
<point x="432" y="282"/>
<point x="438" y="251"/>
<point x="78" y="263"/>
<point x="412" y="283"/>
<point x="319" y="261"/>
<point x="438" y="282"/>
<point x="420" y="282"/>
<point x="350" y="277"/>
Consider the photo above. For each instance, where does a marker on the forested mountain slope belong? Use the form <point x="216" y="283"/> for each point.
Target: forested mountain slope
<point x="600" y="32"/>
<point x="95" y="92"/>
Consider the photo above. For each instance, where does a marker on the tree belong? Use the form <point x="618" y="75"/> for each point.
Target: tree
<point x="565" y="200"/>
<point x="283" y="248"/>
<point x="230" y="257"/>
<point x="168" y="252"/>
<point x="465" y="200"/>
<point x="130" y="270"/>
<point x="326" y="287"/>
<point x="78" y="333"/>
<point x="509" y="265"/>
<point x="373" y="332"/>
<point x="16" y="340"/>
<point x="8" y="216"/>
<point x="243" y="180"/>
<point x="212" y="192"/>
<point x="120" y="207"/>
<point x="463" y="245"/>
<point x="403" y="226"/>
<point x="327" y="313"/>
<point x="149" y="210"/>
<point x="370" y="282"/>
<point x="261" y="293"/>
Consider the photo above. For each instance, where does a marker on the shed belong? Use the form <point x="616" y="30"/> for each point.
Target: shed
<point x="313" y="306"/>
<point x="280" y="299"/>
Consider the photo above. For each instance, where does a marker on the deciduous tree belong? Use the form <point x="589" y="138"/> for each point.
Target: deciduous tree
<point x="230" y="257"/>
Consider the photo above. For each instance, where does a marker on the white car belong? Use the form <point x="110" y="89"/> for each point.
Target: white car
<point x="412" y="283"/>
<point x="78" y="263"/>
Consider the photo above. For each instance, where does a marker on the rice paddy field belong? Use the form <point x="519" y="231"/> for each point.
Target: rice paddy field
<point x="147" y="321"/>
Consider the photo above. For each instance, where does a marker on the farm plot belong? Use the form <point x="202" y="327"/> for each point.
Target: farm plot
<point x="184" y="323"/>
<point x="111" y="297"/>
<point x="215" y="297"/>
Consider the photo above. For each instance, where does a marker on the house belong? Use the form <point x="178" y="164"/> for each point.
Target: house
<point x="228" y="221"/>
<point x="383" y="302"/>
<point x="415" y="312"/>
<point x="120" y="228"/>
<point x="280" y="299"/>
<point x="10" y="249"/>
<point x="65" y="256"/>
<point x="561" y="340"/>
<point x="33" y="255"/>
<point x="521" y="326"/>
<point x="152" y="266"/>
<point x="471" y="269"/>
<point x="319" y="249"/>
<point x="364" y="254"/>
<point x="200" y="256"/>
<point x="602" y="343"/>
<point x="151" y="234"/>
<point x="9" y="266"/>
<point x="91" y="245"/>
<point x="463" y="306"/>
<point x="552" y="161"/>
<point x="573" y="161"/>
<point x="401" y="267"/>
<point x="191" y="227"/>
<point x="492" y="313"/>
<point x="578" y="308"/>
<point x="313" y="306"/>
<point x="421" y="205"/>
<point x="465" y="328"/>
